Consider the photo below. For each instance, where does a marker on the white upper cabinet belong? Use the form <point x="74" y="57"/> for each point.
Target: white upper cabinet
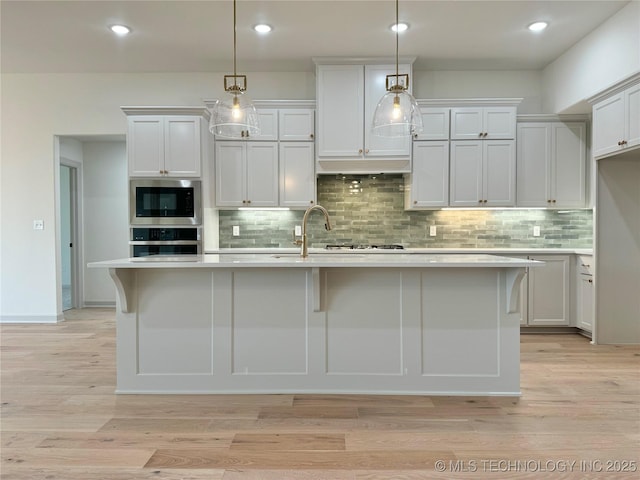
<point x="616" y="122"/>
<point x="435" y="124"/>
<point x="483" y="123"/>
<point x="164" y="145"/>
<point x="296" y="124"/>
<point x="347" y="98"/>
<point x="268" y="118"/>
<point x="246" y="174"/>
<point x="482" y="173"/>
<point x="297" y="174"/>
<point x="340" y="94"/>
<point x="551" y="164"/>
<point x="428" y="184"/>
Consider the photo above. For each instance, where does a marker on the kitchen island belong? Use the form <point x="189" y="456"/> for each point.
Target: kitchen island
<point x="342" y="323"/>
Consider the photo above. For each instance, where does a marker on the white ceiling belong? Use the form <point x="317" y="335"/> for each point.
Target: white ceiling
<point x="196" y="36"/>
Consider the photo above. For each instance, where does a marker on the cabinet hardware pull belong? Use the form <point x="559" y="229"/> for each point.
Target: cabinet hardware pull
<point x="247" y="133"/>
<point x="590" y="280"/>
<point x="311" y="201"/>
<point x="415" y="135"/>
<point x="624" y="142"/>
<point x="248" y="201"/>
<point x="585" y="265"/>
<point x="415" y="202"/>
<point x="311" y="135"/>
<point x="553" y="201"/>
<point x="481" y="135"/>
<point x="242" y="133"/>
<point x="479" y="201"/>
<point x="359" y="150"/>
<point x="366" y="151"/>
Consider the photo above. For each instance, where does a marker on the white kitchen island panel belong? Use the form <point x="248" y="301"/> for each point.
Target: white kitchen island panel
<point x="416" y="324"/>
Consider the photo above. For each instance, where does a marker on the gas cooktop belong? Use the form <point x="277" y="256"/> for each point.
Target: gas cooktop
<point x="344" y="246"/>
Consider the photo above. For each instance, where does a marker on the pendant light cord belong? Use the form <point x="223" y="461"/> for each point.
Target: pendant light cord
<point x="397" y="35"/>
<point x="235" y="75"/>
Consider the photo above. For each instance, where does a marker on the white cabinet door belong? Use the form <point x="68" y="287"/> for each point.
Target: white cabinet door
<point x="498" y="173"/>
<point x="160" y="146"/>
<point x="230" y="174"/>
<point x="533" y="158"/>
<point x="145" y="146"/>
<point x="466" y="174"/>
<point x="375" y="77"/>
<point x="472" y="123"/>
<point x="435" y="124"/>
<point x="262" y="174"/>
<point x="466" y="123"/>
<point x="608" y="125"/>
<point x="297" y="175"/>
<point x="268" y="118"/>
<point x="429" y="182"/>
<point x="632" y="116"/>
<point x="585" y="303"/>
<point x="549" y="291"/>
<point x="499" y="122"/>
<point x="296" y="124"/>
<point x="567" y="185"/>
<point x="482" y="173"/>
<point x="340" y="110"/>
<point x="182" y="146"/>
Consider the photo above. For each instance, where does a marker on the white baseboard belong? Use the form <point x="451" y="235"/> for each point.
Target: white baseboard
<point x="31" y="318"/>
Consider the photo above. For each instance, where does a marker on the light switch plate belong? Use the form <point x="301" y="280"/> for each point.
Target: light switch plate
<point x="38" y="224"/>
<point x="433" y="231"/>
<point x="236" y="230"/>
<point x="298" y="230"/>
<point x="536" y="230"/>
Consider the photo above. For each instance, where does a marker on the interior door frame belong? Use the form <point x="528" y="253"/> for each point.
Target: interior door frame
<point x="77" y="294"/>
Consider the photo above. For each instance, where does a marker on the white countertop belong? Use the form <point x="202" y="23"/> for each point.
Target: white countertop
<point x="329" y="260"/>
<point x="490" y="251"/>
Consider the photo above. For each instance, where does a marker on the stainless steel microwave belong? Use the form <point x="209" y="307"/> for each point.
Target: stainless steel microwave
<point x="165" y="202"/>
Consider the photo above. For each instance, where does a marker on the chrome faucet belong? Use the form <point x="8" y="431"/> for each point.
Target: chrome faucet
<point x="304" y="252"/>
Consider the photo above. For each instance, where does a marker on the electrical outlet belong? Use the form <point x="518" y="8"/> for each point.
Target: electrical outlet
<point x="236" y="230"/>
<point x="38" y="224"/>
<point x="433" y="231"/>
<point x="298" y="230"/>
<point x="536" y="230"/>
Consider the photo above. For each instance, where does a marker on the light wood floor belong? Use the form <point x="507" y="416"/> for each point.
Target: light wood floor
<point x="62" y="421"/>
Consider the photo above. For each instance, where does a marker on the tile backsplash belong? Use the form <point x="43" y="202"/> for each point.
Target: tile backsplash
<point x="367" y="209"/>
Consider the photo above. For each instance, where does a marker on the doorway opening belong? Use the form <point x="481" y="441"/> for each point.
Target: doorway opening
<point x="69" y="235"/>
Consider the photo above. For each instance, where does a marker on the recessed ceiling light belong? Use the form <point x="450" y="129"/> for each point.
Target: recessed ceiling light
<point x="120" y="29"/>
<point x="538" y="26"/>
<point x="262" y="28"/>
<point x="401" y="27"/>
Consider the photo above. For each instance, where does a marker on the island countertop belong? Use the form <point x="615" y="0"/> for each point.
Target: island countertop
<point x="337" y="260"/>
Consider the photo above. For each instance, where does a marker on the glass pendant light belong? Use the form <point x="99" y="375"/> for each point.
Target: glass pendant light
<point x="397" y="113"/>
<point x="234" y="116"/>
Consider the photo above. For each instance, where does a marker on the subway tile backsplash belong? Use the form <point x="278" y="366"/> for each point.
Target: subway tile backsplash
<point x="370" y="210"/>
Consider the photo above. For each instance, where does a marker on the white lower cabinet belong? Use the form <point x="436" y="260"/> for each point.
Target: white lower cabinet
<point x="247" y="174"/>
<point x="584" y="293"/>
<point x="549" y="291"/>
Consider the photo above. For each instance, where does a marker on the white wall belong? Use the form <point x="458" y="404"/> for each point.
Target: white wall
<point x="105" y="216"/>
<point x="42" y="106"/>
<point x="606" y="56"/>
<point x="526" y="84"/>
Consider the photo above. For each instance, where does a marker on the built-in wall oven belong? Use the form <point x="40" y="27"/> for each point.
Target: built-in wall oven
<point x="171" y="241"/>
<point x="165" y="217"/>
<point x="165" y="202"/>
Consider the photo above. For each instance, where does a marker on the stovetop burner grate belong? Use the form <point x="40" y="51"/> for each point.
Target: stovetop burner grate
<point x="343" y="246"/>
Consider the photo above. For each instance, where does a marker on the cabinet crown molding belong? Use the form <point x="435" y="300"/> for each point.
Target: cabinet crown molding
<point x="551" y="117"/>
<point x="166" y="110"/>
<point x="272" y="103"/>
<point x="469" y="102"/>
<point x="361" y="60"/>
<point x="615" y="88"/>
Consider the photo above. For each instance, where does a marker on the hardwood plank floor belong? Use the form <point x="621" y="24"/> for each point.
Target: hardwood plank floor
<point x="578" y="417"/>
